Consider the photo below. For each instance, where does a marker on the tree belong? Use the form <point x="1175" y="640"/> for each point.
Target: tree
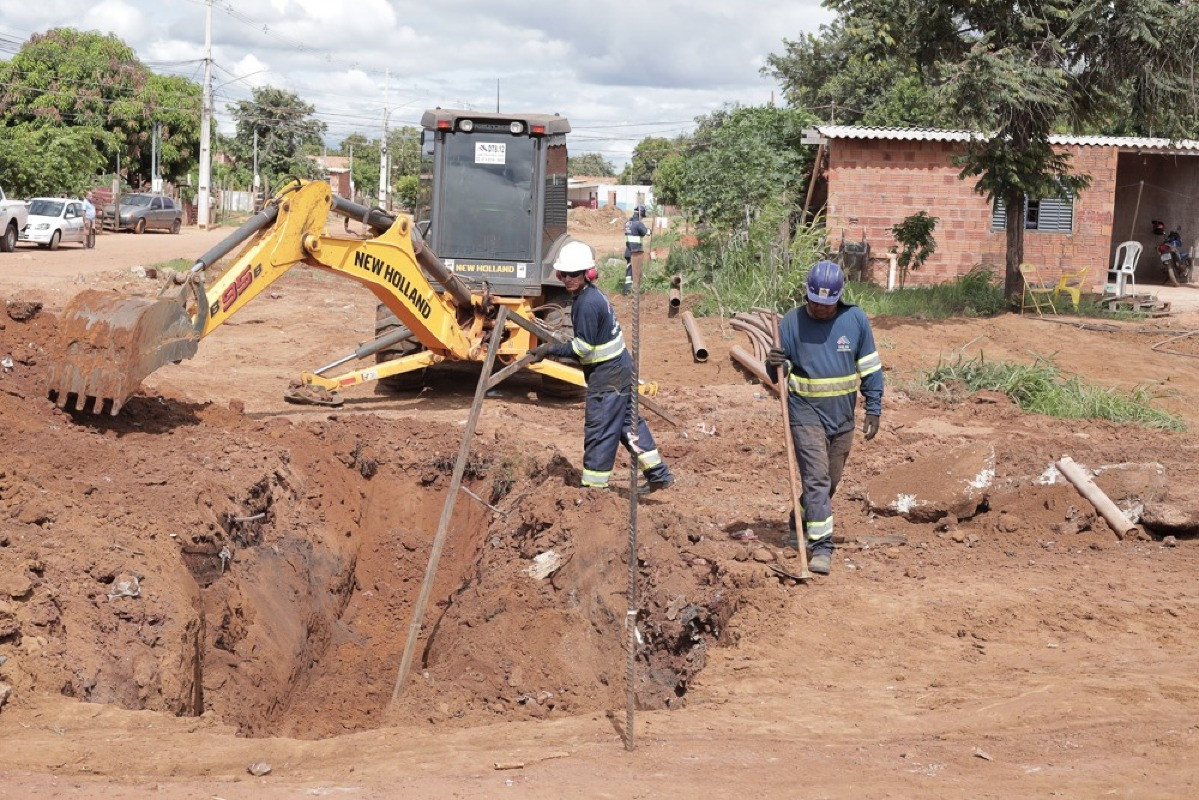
<point x="738" y="160"/>
<point x="67" y="88"/>
<point x="840" y="78"/>
<point x="38" y="160"/>
<point x="590" y="164"/>
<point x="287" y="135"/>
<point x="1019" y="72"/>
<point x="647" y="155"/>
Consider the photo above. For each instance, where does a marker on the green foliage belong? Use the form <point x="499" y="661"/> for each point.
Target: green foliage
<point x="836" y="75"/>
<point x="748" y="269"/>
<point x="286" y="135"/>
<point x="590" y="164"/>
<point x="915" y="233"/>
<point x="975" y="294"/>
<point x="81" y="87"/>
<point x="1020" y="72"/>
<point x="49" y="161"/>
<point x="1040" y="388"/>
<point x="407" y="191"/>
<point x="739" y="160"/>
<point x="647" y="155"/>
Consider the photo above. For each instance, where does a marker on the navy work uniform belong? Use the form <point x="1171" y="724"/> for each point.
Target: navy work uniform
<point x="828" y="361"/>
<point x="634" y="235"/>
<point x="598" y="344"/>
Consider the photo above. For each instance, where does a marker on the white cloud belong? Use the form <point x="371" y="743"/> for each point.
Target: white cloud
<point x="650" y="67"/>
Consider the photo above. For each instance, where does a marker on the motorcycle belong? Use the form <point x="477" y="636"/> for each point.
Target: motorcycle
<point x="1177" y="264"/>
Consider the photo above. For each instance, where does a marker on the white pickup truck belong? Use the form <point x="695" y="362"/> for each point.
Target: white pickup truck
<point x="13" y="216"/>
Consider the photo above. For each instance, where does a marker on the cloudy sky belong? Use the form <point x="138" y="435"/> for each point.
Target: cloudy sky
<point x="618" y="71"/>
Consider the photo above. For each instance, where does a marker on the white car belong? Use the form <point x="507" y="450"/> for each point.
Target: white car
<point x="54" y="220"/>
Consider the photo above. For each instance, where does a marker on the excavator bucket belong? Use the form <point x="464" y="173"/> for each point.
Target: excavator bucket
<point x="110" y="343"/>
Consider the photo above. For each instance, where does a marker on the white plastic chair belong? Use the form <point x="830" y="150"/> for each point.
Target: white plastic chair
<point x="1124" y="268"/>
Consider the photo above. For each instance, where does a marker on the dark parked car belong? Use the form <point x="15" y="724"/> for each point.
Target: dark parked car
<point x="139" y="212"/>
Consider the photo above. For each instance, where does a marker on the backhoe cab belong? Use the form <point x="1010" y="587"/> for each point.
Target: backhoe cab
<point x="496" y="214"/>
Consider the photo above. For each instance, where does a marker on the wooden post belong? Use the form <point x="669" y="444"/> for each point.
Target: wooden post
<point x="447" y="510"/>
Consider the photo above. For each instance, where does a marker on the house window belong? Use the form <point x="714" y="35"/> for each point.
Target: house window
<point x="1048" y="215"/>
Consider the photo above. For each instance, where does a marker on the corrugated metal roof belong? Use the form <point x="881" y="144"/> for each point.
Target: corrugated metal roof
<point x="936" y="135"/>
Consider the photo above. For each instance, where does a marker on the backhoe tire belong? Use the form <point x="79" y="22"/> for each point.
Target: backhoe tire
<point x="409" y="382"/>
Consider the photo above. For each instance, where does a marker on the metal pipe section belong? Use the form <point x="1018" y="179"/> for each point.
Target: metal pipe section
<point x="381" y="222"/>
<point x="676" y="292"/>
<point x="365" y="349"/>
<point x="755" y="367"/>
<point x="698" y="350"/>
<point x="262" y="219"/>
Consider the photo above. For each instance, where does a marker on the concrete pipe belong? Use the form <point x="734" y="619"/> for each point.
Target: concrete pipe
<point x="698" y="349"/>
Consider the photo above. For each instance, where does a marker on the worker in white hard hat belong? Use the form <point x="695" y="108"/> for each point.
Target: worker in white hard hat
<point x="598" y="344"/>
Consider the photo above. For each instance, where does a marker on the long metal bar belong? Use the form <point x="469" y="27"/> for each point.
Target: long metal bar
<point x="381" y="222"/>
<point x="698" y="349"/>
<point x="447" y="510"/>
<point x="630" y="619"/>
<point x="792" y="469"/>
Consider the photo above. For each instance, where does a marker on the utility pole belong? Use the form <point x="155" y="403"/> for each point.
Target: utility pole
<point x="384" y="172"/>
<point x="206" y="124"/>
<point x="353" y="196"/>
<point x="257" y="177"/>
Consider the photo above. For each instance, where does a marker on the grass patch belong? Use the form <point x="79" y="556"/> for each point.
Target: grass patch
<point x="176" y="264"/>
<point x="978" y="293"/>
<point x="1041" y="388"/>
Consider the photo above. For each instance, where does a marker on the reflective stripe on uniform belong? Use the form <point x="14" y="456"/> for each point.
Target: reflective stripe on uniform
<point x="869" y="363"/>
<point x="633" y="239"/>
<point x="595" y="354"/>
<point x="648" y="460"/>
<point x="817" y="530"/>
<point x="596" y="479"/>
<point x="822" y="387"/>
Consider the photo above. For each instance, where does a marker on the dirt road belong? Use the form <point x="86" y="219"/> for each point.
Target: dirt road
<point x="1016" y="648"/>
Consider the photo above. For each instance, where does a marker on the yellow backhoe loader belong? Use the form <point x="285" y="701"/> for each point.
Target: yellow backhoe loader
<point x="113" y="342"/>
<point x="498" y="207"/>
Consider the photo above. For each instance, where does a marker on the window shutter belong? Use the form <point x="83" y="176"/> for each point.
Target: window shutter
<point x="998" y="216"/>
<point x="1057" y="215"/>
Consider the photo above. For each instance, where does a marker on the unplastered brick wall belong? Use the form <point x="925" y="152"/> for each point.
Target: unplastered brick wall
<point x="875" y="183"/>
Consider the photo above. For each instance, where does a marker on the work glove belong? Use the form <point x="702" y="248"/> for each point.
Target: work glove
<point x="870" y="426"/>
<point x="541" y="351"/>
<point x="775" y="358"/>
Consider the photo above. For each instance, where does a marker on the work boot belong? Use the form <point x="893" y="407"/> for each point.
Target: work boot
<point x="657" y="484"/>
<point x="821" y="563"/>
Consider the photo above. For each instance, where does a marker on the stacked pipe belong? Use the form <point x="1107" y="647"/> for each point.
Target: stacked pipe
<point x="756" y="325"/>
<point x="676" y="293"/>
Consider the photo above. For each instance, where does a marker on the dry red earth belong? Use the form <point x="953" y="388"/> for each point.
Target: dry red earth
<point x="1021" y="650"/>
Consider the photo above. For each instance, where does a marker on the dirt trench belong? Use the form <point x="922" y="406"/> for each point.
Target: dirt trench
<point x="190" y="559"/>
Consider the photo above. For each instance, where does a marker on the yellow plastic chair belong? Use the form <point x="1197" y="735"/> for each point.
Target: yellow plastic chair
<point x="1072" y="284"/>
<point x="1038" y="292"/>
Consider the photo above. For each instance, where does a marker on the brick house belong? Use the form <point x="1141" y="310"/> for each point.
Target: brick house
<point x="878" y="176"/>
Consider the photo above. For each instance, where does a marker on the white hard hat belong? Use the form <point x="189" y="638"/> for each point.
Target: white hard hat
<point x="574" y="257"/>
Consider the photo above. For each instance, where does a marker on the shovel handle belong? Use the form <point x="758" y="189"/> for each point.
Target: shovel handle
<point x="792" y="470"/>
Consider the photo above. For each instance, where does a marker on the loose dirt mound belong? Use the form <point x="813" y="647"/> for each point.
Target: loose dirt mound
<point x="258" y="563"/>
<point x="607" y="218"/>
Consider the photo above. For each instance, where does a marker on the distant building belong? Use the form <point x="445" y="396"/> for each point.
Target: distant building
<point x="337" y="171"/>
<point x="588" y="192"/>
<point x="878" y="176"/>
